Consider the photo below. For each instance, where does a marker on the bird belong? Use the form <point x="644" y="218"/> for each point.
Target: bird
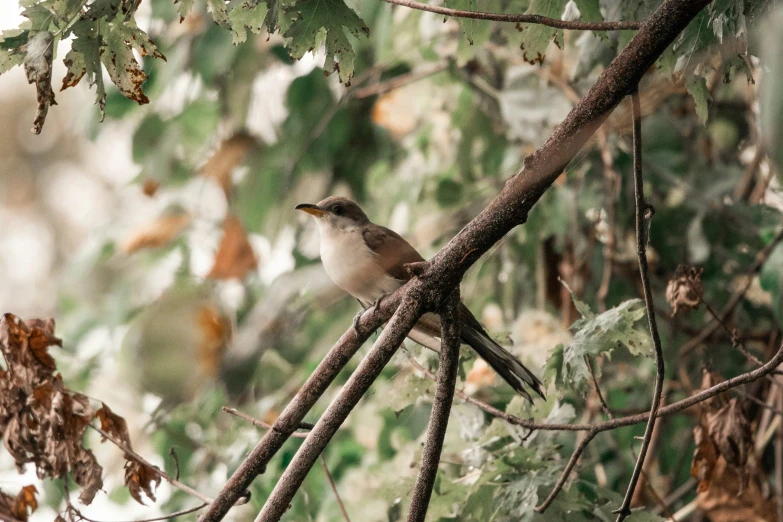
<point x="368" y="261"/>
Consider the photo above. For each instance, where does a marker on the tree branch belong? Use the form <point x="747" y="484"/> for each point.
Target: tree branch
<point x="293" y="414"/>
<point x="441" y="406"/>
<point x="168" y="478"/>
<point x="520" y="18"/>
<point x="444" y="273"/>
<point x="369" y="369"/>
<point x="642" y="209"/>
<point x="334" y="488"/>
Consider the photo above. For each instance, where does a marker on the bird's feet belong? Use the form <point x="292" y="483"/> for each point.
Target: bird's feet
<point x="358" y="316"/>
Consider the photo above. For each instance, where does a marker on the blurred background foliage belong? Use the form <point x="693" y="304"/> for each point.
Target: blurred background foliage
<point x="165" y="243"/>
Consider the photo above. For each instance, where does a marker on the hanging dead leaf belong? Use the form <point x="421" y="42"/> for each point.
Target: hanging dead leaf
<point x="38" y="66"/>
<point x="235" y="257"/>
<point x="21" y="506"/>
<point x="26" y="503"/>
<point x="215" y="331"/>
<point x="141" y="478"/>
<point x="157" y="233"/>
<point x="685" y="290"/>
<point x="704" y="458"/>
<point x="113" y="424"/>
<point x="735" y="495"/>
<point x="229" y="154"/>
<point x="150" y="187"/>
<point x="730" y="430"/>
<point x="41" y="421"/>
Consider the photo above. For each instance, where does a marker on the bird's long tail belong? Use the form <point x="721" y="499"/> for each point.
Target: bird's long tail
<point x="504" y="363"/>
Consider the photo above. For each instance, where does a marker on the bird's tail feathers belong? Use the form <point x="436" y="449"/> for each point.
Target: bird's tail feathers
<point x="504" y="363"/>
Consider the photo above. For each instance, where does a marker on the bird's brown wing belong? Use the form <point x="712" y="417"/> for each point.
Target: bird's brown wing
<point x="392" y="250"/>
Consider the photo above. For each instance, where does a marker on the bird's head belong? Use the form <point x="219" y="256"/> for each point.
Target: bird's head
<point x="336" y="212"/>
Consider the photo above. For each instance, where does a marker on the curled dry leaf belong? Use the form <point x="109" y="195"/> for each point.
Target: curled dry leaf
<point x="685" y="290"/>
<point x="38" y="67"/>
<point x="150" y="187"/>
<point x="21" y="506"/>
<point x="113" y="424"/>
<point x="235" y="257"/>
<point x="157" y="233"/>
<point x="139" y="478"/>
<point x="41" y="421"/>
<point x="229" y="154"/>
<point x="729" y="482"/>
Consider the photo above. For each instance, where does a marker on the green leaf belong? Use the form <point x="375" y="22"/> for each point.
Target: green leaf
<point x="120" y="38"/>
<point x="10" y="41"/>
<point x="85" y="58"/>
<point x="536" y="37"/>
<point x="333" y="17"/>
<point x="476" y="31"/>
<point x="697" y="88"/>
<point x="249" y="14"/>
<point x="183" y="8"/>
<point x="589" y="10"/>
<point x="599" y="334"/>
<point x="66" y="9"/>
<point x="219" y="11"/>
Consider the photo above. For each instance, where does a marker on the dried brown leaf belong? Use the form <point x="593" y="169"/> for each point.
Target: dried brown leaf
<point x="150" y="187"/>
<point x="141" y="478"/>
<point x="229" y="154"/>
<point x="704" y="458"/>
<point x="736" y="495"/>
<point x="38" y="66"/>
<point x="21" y="506"/>
<point x="157" y="233"/>
<point x="730" y="431"/>
<point x="42" y="422"/>
<point x="235" y="257"/>
<point x="114" y="425"/>
<point x="685" y="290"/>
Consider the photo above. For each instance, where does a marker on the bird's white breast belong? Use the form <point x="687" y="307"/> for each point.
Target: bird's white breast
<point x="352" y="266"/>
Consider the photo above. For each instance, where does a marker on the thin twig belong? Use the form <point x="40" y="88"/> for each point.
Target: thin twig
<point x="604" y="406"/>
<point x="360" y="381"/>
<point x="174" y="482"/>
<point x="642" y="207"/>
<point x="710" y="328"/>
<point x="260" y="423"/>
<point x="398" y="81"/>
<point x="293" y="414"/>
<point x="441" y="407"/>
<point x="521" y="18"/>
<point x="567" y="471"/>
<point x="176" y="462"/>
<point x="334" y="488"/>
<point x="156" y="519"/>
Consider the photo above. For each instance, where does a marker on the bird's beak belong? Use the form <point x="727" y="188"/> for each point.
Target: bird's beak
<point x="310" y="209"/>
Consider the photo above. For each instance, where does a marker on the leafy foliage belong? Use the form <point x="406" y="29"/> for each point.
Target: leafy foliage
<point x="199" y="287"/>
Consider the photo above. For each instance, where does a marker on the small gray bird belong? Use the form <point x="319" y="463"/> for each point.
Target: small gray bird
<point x="367" y="261"/>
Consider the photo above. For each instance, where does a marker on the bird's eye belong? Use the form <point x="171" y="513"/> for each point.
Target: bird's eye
<point x="338" y="210"/>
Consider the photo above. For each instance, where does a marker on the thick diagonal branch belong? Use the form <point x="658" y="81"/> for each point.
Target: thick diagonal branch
<point x="294" y="413"/>
<point x="642" y="211"/>
<point x="441" y="407"/>
<point x="370" y="368"/>
<point x="508" y="210"/>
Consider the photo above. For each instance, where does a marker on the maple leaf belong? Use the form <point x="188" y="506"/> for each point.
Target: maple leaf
<point x="333" y="17"/>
